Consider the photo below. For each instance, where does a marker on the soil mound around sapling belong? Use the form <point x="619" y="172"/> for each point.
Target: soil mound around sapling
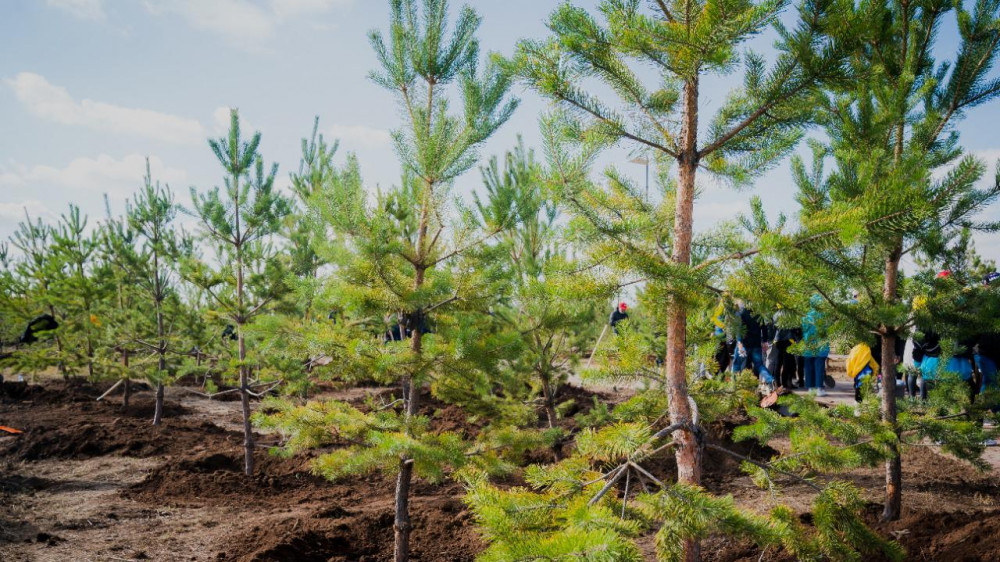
<point x="956" y="537"/>
<point x="65" y="391"/>
<point x="443" y="530"/>
<point x="124" y="436"/>
<point x="64" y="421"/>
<point x="214" y="478"/>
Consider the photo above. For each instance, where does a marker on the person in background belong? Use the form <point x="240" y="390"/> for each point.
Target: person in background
<point x="860" y="366"/>
<point x="785" y="335"/>
<point x="815" y="348"/>
<point x="725" y="344"/>
<point x="987" y="355"/>
<point x="927" y="353"/>
<point x="750" y="345"/>
<point x="617" y="315"/>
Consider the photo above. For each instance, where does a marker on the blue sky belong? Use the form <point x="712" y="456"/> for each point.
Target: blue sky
<point x="89" y="88"/>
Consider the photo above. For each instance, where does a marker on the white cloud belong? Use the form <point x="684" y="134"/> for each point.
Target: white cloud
<point x="244" y="23"/>
<point x="990" y="156"/>
<point x="83" y="9"/>
<point x="352" y="136"/>
<point x="294" y="8"/>
<point x="238" y="21"/>
<point x="54" y="103"/>
<point x="104" y="174"/>
<point x="14" y="211"/>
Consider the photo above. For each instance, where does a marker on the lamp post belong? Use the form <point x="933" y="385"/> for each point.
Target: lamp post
<point x="644" y="161"/>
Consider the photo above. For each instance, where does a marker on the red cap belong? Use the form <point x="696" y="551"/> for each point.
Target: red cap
<point x="623" y="306"/>
<point x="942" y="274"/>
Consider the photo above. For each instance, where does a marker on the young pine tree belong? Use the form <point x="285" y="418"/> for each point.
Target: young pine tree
<point x="123" y="316"/>
<point x="151" y="215"/>
<point x="420" y="63"/>
<point x="684" y="42"/>
<point x="549" y="325"/>
<point x="240" y="222"/>
<point x="77" y="291"/>
<point x="35" y="275"/>
<point x="900" y="183"/>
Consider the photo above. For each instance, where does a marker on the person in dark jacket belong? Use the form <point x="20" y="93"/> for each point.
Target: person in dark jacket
<point x="38" y="325"/>
<point x="750" y="345"/>
<point x="987" y="356"/>
<point x="617" y="315"/>
<point x="784" y="367"/>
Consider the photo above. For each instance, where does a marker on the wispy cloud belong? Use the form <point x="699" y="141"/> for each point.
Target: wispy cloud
<point x="287" y="9"/>
<point x="353" y="136"/>
<point x="104" y="174"/>
<point x="15" y="211"/>
<point x="238" y="21"/>
<point x="83" y="9"/>
<point x="54" y="103"/>
<point x="245" y="24"/>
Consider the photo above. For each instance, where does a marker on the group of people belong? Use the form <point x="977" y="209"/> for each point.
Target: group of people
<point x="974" y="358"/>
<point x="784" y="351"/>
<point x="765" y="347"/>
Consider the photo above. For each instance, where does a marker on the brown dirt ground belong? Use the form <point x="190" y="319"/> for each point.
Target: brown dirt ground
<point x="88" y="481"/>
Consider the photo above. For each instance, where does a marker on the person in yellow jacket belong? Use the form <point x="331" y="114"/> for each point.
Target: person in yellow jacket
<point x="860" y="365"/>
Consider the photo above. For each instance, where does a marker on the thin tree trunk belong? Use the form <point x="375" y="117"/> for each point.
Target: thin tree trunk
<point x="241" y="342"/>
<point x="893" y="466"/>
<point x="59" y="347"/>
<point x="127" y="390"/>
<point x="245" y="400"/>
<point x="161" y="364"/>
<point x="550" y="407"/>
<point x="688" y="453"/>
<point x="158" y="410"/>
<point x="401" y="527"/>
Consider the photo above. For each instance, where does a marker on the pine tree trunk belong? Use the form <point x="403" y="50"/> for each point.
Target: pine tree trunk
<point x="241" y="342"/>
<point x="688" y="450"/>
<point x="59" y="347"/>
<point x="127" y="389"/>
<point x="893" y="466"/>
<point x="161" y="364"/>
<point x="245" y="401"/>
<point x="401" y="526"/>
<point x="158" y="410"/>
<point x="550" y="406"/>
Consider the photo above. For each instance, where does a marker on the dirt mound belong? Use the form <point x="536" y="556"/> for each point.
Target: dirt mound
<point x="215" y="478"/>
<point x="66" y="391"/>
<point x="300" y="516"/>
<point x="63" y="420"/>
<point x="78" y="439"/>
<point x="442" y="531"/>
<point x="956" y="537"/>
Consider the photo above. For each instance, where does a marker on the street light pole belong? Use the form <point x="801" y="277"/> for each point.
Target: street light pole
<point x="645" y="161"/>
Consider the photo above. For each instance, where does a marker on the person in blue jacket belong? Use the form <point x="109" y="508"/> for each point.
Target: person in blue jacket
<point x="815" y="347"/>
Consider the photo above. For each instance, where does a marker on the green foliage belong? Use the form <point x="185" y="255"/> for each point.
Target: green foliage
<point x="239" y="222"/>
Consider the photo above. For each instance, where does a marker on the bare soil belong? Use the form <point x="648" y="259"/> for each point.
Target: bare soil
<point x="89" y="481"/>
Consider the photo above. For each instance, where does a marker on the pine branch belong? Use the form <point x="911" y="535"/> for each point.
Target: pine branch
<point x="763" y="465"/>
